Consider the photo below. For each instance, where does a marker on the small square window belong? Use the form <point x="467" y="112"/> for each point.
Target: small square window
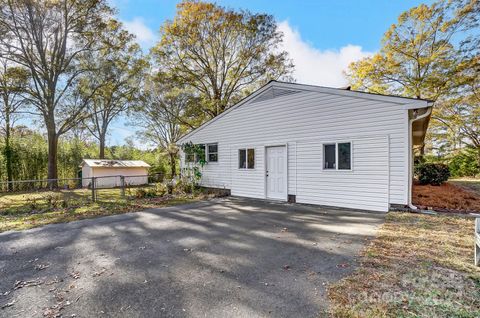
<point x="246" y="158"/>
<point x="212" y="152"/>
<point x="337" y="156"/>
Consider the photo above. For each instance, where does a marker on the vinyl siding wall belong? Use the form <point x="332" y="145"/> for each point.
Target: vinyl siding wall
<point x="304" y="121"/>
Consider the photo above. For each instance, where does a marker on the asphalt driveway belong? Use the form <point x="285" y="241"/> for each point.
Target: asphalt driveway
<point x="222" y="258"/>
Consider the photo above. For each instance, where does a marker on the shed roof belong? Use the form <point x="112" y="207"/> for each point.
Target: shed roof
<point x="106" y="163"/>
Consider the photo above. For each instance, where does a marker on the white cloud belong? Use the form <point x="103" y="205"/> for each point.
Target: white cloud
<point x="318" y="67"/>
<point x="145" y="36"/>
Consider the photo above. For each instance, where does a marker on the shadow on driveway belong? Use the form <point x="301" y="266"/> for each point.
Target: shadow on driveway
<point x="223" y="258"/>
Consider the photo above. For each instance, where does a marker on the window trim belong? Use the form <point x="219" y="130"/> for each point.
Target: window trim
<point x="246" y="159"/>
<point x="336" y="155"/>
<point x="207" y="153"/>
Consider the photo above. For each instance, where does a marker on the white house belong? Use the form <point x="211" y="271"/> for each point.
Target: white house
<point x="108" y="172"/>
<point x="317" y="145"/>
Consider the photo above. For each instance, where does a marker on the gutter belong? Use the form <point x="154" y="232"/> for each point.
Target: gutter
<point x="410" y="155"/>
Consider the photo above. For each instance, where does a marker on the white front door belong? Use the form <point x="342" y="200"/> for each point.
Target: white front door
<point x="276" y="172"/>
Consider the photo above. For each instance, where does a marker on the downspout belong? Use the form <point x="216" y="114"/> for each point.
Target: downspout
<point x="410" y="155"/>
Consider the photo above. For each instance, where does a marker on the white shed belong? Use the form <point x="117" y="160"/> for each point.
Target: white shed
<point x="108" y="172"/>
<point x="316" y="145"/>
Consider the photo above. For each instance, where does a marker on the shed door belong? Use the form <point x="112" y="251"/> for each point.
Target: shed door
<point x="276" y="173"/>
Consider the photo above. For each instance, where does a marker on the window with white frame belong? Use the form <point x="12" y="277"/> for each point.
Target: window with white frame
<point x="337" y="156"/>
<point x="246" y="158"/>
<point x="212" y="152"/>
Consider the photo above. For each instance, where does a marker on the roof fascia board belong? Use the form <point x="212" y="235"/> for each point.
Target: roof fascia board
<point x="418" y="104"/>
<point x="343" y="92"/>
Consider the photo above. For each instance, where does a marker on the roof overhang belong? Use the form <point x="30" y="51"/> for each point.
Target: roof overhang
<point x="420" y="119"/>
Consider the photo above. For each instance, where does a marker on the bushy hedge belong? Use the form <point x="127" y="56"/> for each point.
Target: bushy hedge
<point x="432" y="173"/>
<point x="464" y="163"/>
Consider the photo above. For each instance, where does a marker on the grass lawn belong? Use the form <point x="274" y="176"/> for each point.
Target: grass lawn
<point x="417" y="266"/>
<point x="27" y="210"/>
<point x="472" y="184"/>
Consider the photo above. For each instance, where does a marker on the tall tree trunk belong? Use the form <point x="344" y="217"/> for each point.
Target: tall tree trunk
<point x="8" y="153"/>
<point x="422" y="151"/>
<point x="173" y="165"/>
<point x="102" y="146"/>
<point x="52" y="157"/>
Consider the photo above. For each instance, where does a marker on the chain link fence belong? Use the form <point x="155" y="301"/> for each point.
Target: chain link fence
<point x="76" y="191"/>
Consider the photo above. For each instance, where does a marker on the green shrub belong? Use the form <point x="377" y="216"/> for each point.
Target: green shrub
<point x="53" y="200"/>
<point x="151" y="193"/>
<point x="184" y="185"/>
<point x="32" y="203"/>
<point x="432" y="173"/>
<point x="161" y="189"/>
<point x="140" y="193"/>
<point x="65" y="203"/>
<point x="464" y="163"/>
<point x="170" y="187"/>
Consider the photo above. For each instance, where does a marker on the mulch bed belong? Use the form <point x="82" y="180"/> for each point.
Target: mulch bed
<point x="446" y="198"/>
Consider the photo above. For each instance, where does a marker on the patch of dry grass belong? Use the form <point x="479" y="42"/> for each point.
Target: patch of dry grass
<point x="27" y="210"/>
<point x="23" y="221"/>
<point x="472" y="184"/>
<point x="418" y="266"/>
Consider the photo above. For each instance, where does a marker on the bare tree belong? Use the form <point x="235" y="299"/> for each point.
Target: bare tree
<point x="49" y="38"/>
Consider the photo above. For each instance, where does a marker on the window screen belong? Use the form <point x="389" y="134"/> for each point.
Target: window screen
<point x="344" y="156"/>
<point x="242" y="158"/>
<point x="329" y="156"/>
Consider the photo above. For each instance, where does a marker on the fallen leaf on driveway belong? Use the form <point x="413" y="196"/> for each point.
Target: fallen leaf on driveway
<point x="8" y="304"/>
<point x="40" y="267"/>
<point x="75" y="275"/>
<point x="343" y="265"/>
<point x="28" y="283"/>
<point x="100" y="272"/>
